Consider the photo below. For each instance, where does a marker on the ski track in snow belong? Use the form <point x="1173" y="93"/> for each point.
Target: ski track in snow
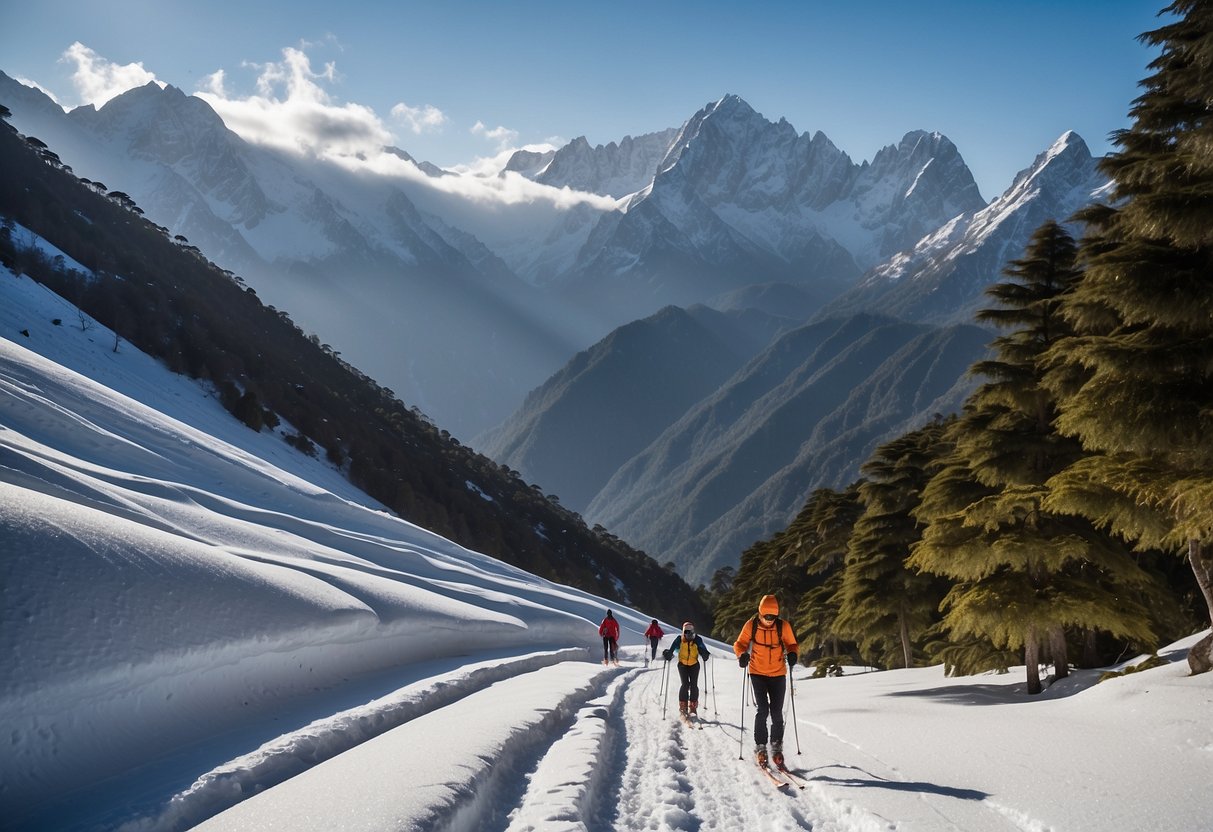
<point x="606" y="752"/>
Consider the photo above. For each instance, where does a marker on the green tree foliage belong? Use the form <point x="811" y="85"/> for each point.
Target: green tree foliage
<point x="1134" y="382"/>
<point x="884" y="606"/>
<point x="1023" y="575"/>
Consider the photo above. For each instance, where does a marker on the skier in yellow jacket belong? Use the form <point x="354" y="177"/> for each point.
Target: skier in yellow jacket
<point x="690" y="649"/>
<point x="767" y="647"/>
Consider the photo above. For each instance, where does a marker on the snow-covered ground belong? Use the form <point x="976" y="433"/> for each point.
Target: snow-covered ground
<point x="202" y="626"/>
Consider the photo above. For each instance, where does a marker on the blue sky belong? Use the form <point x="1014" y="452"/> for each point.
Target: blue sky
<point x="455" y="80"/>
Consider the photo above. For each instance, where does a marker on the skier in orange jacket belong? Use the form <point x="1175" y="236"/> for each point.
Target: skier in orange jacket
<point x="767" y="647"/>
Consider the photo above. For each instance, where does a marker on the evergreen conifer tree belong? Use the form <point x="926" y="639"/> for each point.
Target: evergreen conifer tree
<point x="1024" y="574"/>
<point x="884" y="606"/>
<point x="1135" y="381"/>
<point x="822" y="530"/>
<point x="781" y="565"/>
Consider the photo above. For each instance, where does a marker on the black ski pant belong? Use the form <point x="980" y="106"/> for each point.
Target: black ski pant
<point x="654" y="641"/>
<point x="768" y="694"/>
<point x="689" y="674"/>
<point x="610" y="648"/>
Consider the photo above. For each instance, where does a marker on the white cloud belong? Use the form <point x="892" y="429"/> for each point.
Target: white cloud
<point x="503" y="136"/>
<point x="214" y="84"/>
<point x="483" y="182"/>
<point x="97" y="80"/>
<point x="485" y="166"/>
<point x="291" y="110"/>
<point x="420" y="119"/>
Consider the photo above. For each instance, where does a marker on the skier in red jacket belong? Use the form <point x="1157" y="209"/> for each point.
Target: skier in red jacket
<point x="654" y="634"/>
<point x="609" y="630"/>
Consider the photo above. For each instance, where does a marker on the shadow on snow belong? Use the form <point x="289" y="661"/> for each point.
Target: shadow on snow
<point x="869" y="780"/>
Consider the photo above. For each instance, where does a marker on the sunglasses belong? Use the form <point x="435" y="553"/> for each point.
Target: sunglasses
<point x="768" y="618"/>
<point x="688" y="632"/>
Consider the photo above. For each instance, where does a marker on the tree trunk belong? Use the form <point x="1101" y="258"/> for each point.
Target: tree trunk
<point x="1090" y="648"/>
<point x="1061" y="652"/>
<point x="1200" y="657"/>
<point x="906" y="650"/>
<point x="1031" y="658"/>
<point x="1202" y="567"/>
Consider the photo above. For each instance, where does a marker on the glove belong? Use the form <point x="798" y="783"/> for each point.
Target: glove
<point x="792" y="659"/>
<point x="667" y="654"/>
<point x="705" y="658"/>
<point x="743" y="659"/>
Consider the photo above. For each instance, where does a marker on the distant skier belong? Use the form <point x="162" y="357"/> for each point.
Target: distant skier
<point x="654" y="634"/>
<point x="767" y="646"/>
<point x="690" y="650"/>
<point x="609" y="630"/>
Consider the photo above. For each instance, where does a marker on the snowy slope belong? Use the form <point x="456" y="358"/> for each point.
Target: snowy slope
<point x="201" y="626"/>
<point x="170" y="575"/>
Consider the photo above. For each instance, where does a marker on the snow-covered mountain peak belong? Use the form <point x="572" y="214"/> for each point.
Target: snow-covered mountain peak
<point x="972" y="249"/>
<point x="733" y="107"/>
<point x="529" y="163"/>
<point x="428" y="168"/>
<point x="906" y="161"/>
<point x="1066" y="154"/>
<point x="614" y="170"/>
<point x="737" y="187"/>
<point x="164" y="125"/>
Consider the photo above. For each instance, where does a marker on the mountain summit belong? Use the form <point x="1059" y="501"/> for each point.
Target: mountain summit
<point x="739" y="199"/>
<point x="942" y="279"/>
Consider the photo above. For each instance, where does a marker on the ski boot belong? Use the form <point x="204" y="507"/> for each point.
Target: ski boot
<point x="760" y="756"/>
<point x="777" y="754"/>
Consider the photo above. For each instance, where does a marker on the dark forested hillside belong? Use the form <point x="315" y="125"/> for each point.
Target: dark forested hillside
<point x="165" y="298"/>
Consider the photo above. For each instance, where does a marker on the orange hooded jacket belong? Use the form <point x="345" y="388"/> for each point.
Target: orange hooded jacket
<point x="767" y="648"/>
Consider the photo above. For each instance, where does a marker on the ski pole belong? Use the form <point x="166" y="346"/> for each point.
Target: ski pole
<point x="792" y="696"/>
<point x="715" y="710"/>
<point x="666" y="705"/>
<point x="741" y="739"/>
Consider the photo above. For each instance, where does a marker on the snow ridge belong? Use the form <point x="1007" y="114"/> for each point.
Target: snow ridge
<point x="296" y="751"/>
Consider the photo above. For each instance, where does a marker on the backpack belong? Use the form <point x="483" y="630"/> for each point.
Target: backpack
<point x="778" y="632"/>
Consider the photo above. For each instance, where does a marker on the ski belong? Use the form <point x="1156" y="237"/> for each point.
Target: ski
<point x="690" y="723"/>
<point x="795" y="779"/>
<point x="775" y="781"/>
